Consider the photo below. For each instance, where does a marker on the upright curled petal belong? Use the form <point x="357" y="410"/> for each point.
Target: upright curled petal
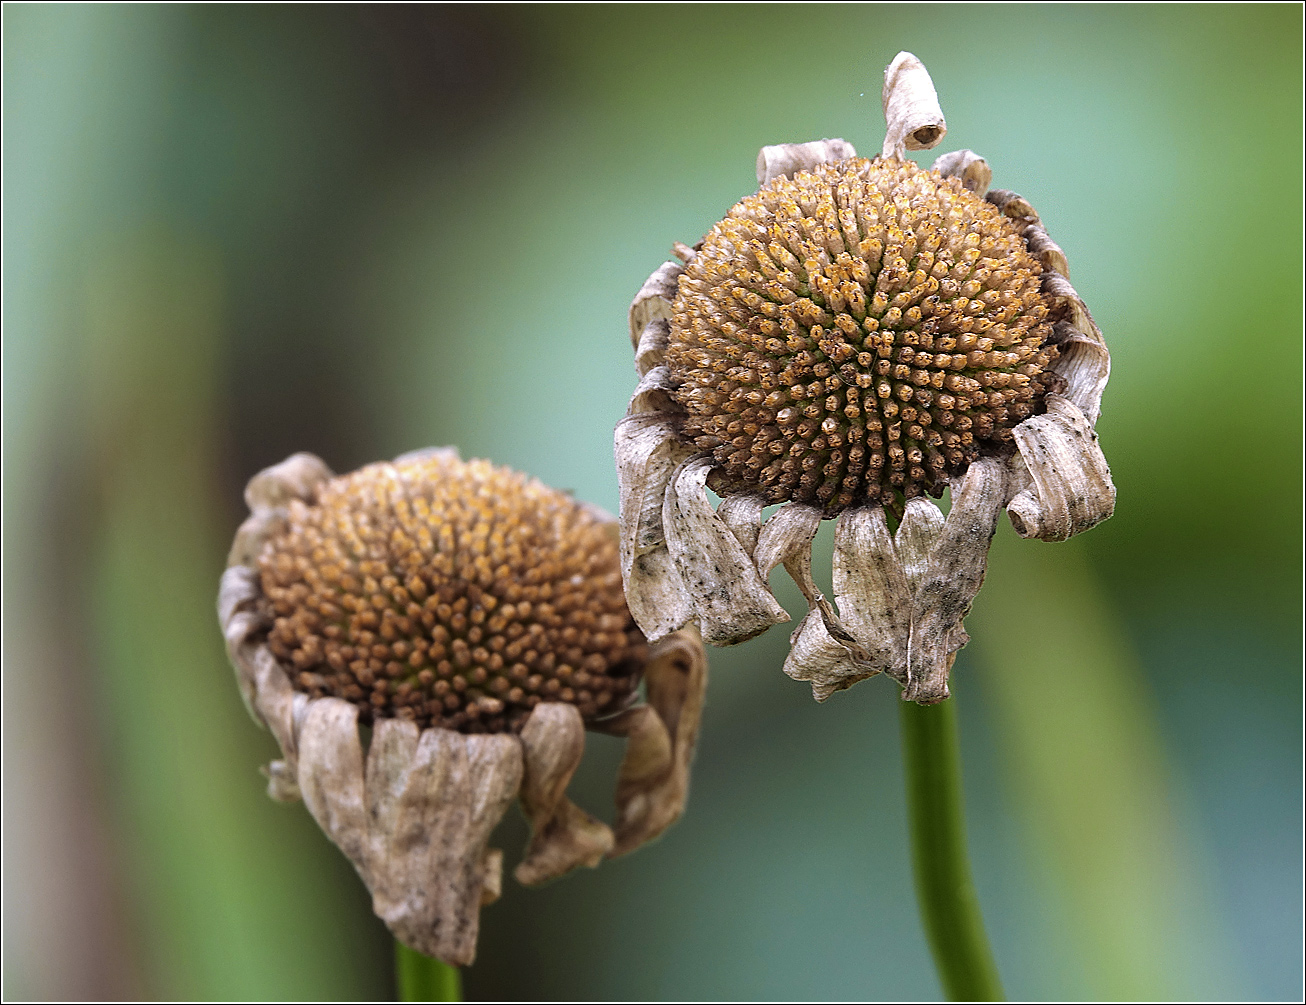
<point x="729" y="599"/>
<point x="911" y="107"/>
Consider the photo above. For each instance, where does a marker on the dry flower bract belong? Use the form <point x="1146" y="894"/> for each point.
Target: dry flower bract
<point x="473" y="619"/>
<point x="855" y="337"/>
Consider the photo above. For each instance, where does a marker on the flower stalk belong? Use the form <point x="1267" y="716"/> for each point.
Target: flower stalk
<point x="949" y="906"/>
<point x="423" y="979"/>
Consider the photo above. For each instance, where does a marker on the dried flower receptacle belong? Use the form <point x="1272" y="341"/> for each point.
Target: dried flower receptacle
<point x="473" y="618"/>
<point x="855" y="337"/>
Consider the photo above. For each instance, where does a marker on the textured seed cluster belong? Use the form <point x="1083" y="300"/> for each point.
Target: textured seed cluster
<point x="858" y="333"/>
<point x="454" y="594"/>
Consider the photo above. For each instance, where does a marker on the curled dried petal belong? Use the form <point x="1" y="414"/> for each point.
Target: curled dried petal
<point x="660" y="736"/>
<point x="563" y="836"/>
<point x="653" y="301"/>
<point x="970" y="167"/>
<point x="652" y="348"/>
<point x="729" y="599"/>
<point x="828" y="665"/>
<point x="911" y="107"/>
<point x="787" y="159"/>
<point x="1072" y="488"/>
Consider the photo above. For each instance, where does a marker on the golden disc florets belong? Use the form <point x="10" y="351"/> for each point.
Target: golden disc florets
<point x="451" y="593"/>
<point x="858" y="333"/>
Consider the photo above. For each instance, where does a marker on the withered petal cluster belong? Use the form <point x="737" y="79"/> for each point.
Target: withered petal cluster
<point x="473" y="618"/>
<point x="854" y="337"/>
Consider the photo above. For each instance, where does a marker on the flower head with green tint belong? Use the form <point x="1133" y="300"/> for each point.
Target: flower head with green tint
<point x="857" y="336"/>
<point x="474" y="619"/>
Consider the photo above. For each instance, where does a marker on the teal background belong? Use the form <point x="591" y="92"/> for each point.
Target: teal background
<point x="231" y="233"/>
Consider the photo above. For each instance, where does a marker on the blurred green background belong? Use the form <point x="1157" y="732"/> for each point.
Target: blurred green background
<point x="231" y="233"/>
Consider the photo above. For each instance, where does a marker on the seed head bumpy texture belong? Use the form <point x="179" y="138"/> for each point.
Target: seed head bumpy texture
<point x="451" y="593"/>
<point x="858" y="333"/>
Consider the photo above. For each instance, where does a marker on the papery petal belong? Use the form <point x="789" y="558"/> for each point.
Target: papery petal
<point x="654" y="299"/>
<point x="1046" y="250"/>
<point x="870" y="588"/>
<point x="416" y="824"/>
<point x="787" y="159"/>
<point x="652" y="348"/>
<point x="660" y="736"/>
<point x="1084" y="359"/>
<point x="297" y="477"/>
<point x="742" y="513"/>
<point x="563" y="836"/>
<point x="647" y="449"/>
<point x="653" y="393"/>
<point x="1072" y="488"/>
<point x="426" y="453"/>
<point x="950" y="578"/>
<point x="911" y="107"/>
<point x="922" y="522"/>
<point x="787" y="537"/>
<point x="331" y="776"/>
<point x="730" y="600"/>
<point x="967" y="165"/>
<point x="268" y="494"/>
<point x="816" y="657"/>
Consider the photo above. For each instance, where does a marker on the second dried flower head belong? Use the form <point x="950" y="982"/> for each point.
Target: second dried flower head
<point x="856" y="337"/>
<point x="428" y="639"/>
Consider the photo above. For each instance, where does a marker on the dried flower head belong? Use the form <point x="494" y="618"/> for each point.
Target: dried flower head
<point x="854" y="337"/>
<point x="474" y="619"/>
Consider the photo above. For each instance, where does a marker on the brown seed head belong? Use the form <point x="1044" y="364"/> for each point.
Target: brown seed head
<point x="861" y="332"/>
<point x="455" y="594"/>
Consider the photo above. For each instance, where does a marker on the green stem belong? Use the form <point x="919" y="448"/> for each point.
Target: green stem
<point x="422" y="979"/>
<point x="949" y="907"/>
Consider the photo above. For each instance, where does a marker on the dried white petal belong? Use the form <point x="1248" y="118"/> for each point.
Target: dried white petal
<point x="648" y="448"/>
<point x="654" y="299"/>
<point x="1084" y="359"/>
<point x="816" y="657"/>
<point x="945" y="584"/>
<point x="563" y="836"/>
<point x="911" y="107"/>
<point x="653" y="393"/>
<point x="917" y="533"/>
<point x="652" y="348"/>
<point x="416" y="824"/>
<point x="742" y="513"/>
<point x="1046" y="250"/>
<point x="660" y="736"/>
<point x="970" y="167"/>
<point x="729" y="599"/>
<point x="297" y="477"/>
<point x="1072" y="488"/>
<point x="787" y="159"/>
<point x="1011" y="205"/>
<point x="425" y="453"/>
<point x="870" y="587"/>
